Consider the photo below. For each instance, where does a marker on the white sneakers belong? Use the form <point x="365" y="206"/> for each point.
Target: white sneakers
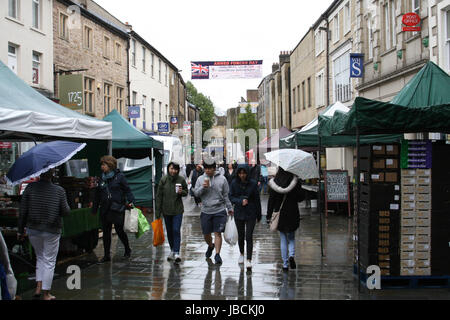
<point x="177" y="258"/>
<point x="249" y="264"/>
<point x="241" y="259"/>
<point x="170" y="257"/>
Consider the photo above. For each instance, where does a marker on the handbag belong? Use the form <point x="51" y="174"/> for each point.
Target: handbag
<point x="275" y="218"/>
<point x="131" y="220"/>
<point x="117" y="207"/>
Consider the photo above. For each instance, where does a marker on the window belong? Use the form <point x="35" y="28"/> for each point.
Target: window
<point x="134" y="98"/>
<point x="447" y="42"/>
<point x="336" y="28"/>
<point x="13" y="9"/>
<point x="106" y="47"/>
<point x="389" y="23"/>
<point x="309" y="92"/>
<point x="298" y="100"/>
<point x="294" y="101"/>
<point x="63" y="26"/>
<point x="12" y="57"/>
<point x="120" y="99"/>
<point x="89" y="95"/>
<point x="393" y="24"/>
<point x="159" y="70"/>
<point x="106" y="98"/>
<point x="118" y="53"/>
<point x="160" y="110"/>
<point x="144" y="53"/>
<point x="36" y="70"/>
<point x="153" y="111"/>
<point x="167" y="113"/>
<point x="320" y="89"/>
<point x="165" y="75"/>
<point x="87" y="38"/>
<point x="320" y="40"/>
<point x="341" y="72"/>
<point x="36" y="12"/>
<point x="153" y="62"/>
<point x="133" y="53"/>
<point x="347" y="18"/>
<point x="370" y="38"/>
<point x="303" y="95"/>
<point x="415" y="6"/>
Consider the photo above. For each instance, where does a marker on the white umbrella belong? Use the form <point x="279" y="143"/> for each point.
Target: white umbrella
<point x="296" y="161"/>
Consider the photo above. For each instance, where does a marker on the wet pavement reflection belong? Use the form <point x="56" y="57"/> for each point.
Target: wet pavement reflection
<point x="149" y="276"/>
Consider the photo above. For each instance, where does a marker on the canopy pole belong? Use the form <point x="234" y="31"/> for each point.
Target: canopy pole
<point x="153" y="182"/>
<point x="319" y="196"/>
<point x="358" y="168"/>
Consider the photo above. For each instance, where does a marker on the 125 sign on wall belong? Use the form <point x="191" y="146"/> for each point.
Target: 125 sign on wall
<point x="75" y="98"/>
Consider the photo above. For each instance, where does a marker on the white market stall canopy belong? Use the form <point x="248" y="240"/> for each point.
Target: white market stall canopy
<point x="24" y="110"/>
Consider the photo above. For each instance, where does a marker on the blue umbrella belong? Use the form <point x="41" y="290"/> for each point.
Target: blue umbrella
<point x="41" y="158"/>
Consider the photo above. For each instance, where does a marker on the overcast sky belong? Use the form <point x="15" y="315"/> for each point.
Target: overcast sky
<point x="213" y="30"/>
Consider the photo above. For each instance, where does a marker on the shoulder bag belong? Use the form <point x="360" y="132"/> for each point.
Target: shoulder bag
<point x="276" y="217"/>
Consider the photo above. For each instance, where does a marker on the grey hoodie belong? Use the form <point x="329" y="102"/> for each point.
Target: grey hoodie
<point x="215" y="198"/>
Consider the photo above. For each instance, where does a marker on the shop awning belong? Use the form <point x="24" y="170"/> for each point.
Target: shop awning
<point x="23" y="110"/>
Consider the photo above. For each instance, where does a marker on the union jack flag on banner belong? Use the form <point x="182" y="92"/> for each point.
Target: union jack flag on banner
<point x="199" y="71"/>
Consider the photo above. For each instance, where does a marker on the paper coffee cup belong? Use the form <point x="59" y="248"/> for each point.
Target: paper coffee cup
<point x="177" y="187"/>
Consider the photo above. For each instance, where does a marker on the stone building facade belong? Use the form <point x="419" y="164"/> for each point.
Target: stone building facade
<point x="439" y="33"/>
<point x="85" y="41"/>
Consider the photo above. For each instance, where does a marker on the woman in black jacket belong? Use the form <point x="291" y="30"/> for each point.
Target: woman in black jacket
<point x="244" y="195"/>
<point x="285" y="190"/>
<point x="230" y="173"/>
<point x="113" y="196"/>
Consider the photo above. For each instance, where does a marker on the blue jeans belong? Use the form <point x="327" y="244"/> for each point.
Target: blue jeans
<point x="173" y="229"/>
<point x="263" y="184"/>
<point x="287" y="244"/>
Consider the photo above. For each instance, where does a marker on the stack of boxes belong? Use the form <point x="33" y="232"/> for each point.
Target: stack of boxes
<point x="415" y="249"/>
<point x="380" y="207"/>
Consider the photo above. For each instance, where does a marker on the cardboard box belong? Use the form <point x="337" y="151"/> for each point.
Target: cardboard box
<point x="383" y="243"/>
<point x="408" y="181"/>
<point x="385" y="272"/>
<point x="384" y="213"/>
<point x="408" y="205"/>
<point x="391" y="163"/>
<point x="423" y="239"/>
<point x="423" y="172"/>
<point x="392" y="149"/>
<point x="405" y="271"/>
<point x="423" y="196"/>
<point x="423" y="222"/>
<point x="383" y="228"/>
<point x="423" y="214"/>
<point x="384" y="264"/>
<point x="408" y="172"/>
<point x="378" y="149"/>
<point x="384" y="235"/>
<point x="384" y="221"/>
<point x="408" y="197"/>
<point x="408" y="238"/>
<point x="408" y="230"/>
<point x="383" y="250"/>
<point x="391" y="177"/>
<point x="426" y="231"/>
<point x="407" y="246"/>
<point x="423" y="189"/>
<point x="407" y="255"/>
<point x="421" y="247"/>
<point x="378" y="164"/>
<point x="407" y="263"/>
<point x="377" y="177"/>
<point x="423" y="180"/>
<point x="423" y="205"/>
<point x="408" y="213"/>
<point x="408" y="222"/>
<point x="422" y="263"/>
<point x="408" y="188"/>
<point x="422" y="255"/>
<point x="422" y="271"/>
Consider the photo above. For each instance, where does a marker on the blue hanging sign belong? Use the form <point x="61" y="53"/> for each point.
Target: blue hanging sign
<point x="134" y="112"/>
<point x="163" y="127"/>
<point x="356" y="65"/>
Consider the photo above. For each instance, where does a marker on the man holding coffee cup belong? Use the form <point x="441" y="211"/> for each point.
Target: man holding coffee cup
<point x="171" y="189"/>
<point x="212" y="188"/>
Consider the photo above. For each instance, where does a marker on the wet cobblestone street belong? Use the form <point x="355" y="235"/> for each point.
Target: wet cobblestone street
<point x="149" y="276"/>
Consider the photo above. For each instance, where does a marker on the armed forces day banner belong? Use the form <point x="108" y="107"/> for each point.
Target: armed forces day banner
<point x="213" y="70"/>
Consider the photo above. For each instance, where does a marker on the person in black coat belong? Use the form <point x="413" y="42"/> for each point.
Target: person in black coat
<point x="113" y="196"/>
<point x="197" y="172"/>
<point x="230" y="172"/>
<point x="286" y="187"/>
<point x="244" y="195"/>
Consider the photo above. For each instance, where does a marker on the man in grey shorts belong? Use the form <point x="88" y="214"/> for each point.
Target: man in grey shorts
<point x="212" y="188"/>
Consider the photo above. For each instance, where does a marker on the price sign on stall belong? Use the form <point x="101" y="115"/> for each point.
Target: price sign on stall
<point x="337" y="187"/>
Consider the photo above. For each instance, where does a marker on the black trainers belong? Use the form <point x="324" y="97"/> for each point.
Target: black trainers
<point x="104" y="260"/>
<point x="218" y="259"/>
<point x="208" y="253"/>
<point x="127" y="254"/>
<point x="292" y="264"/>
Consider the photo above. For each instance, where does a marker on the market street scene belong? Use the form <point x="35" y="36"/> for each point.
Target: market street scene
<point x="149" y="154"/>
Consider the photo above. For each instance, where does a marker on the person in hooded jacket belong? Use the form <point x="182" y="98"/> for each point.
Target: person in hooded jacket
<point x="244" y="195"/>
<point x="285" y="191"/>
<point x="169" y="204"/>
<point x="113" y="196"/>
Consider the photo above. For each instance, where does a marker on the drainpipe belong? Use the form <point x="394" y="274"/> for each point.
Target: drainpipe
<point x="327" y="30"/>
<point x="128" y="75"/>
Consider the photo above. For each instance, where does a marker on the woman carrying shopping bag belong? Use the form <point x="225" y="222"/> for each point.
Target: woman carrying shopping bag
<point x="244" y="195"/>
<point x="284" y="194"/>
<point x="113" y="196"/>
<point x="169" y="204"/>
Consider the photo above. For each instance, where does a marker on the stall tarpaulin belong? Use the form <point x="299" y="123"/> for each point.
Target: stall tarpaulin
<point x="139" y="179"/>
<point x="24" y="110"/>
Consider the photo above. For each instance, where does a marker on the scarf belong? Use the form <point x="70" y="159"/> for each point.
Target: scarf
<point x="108" y="175"/>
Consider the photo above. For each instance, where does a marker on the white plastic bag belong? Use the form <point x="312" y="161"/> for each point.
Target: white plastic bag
<point x="131" y="221"/>
<point x="231" y="234"/>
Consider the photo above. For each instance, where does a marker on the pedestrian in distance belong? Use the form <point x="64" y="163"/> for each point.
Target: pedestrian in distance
<point x="112" y="197"/>
<point x="195" y="174"/>
<point x="230" y="172"/>
<point x="244" y="195"/>
<point x="264" y="179"/>
<point x="284" y="194"/>
<point x="212" y="188"/>
<point x="255" y="172"/>
<point x="169" y="204"/>
<point x="42" y="207"/>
